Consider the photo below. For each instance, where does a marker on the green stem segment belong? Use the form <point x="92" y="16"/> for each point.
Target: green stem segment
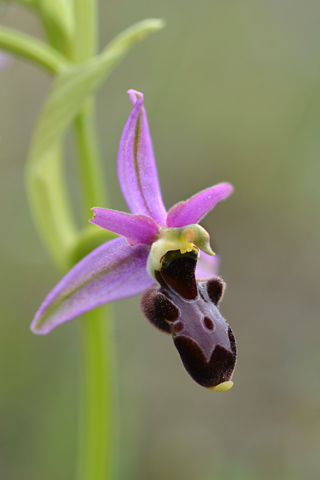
<point x="96" y="449"/>
<point x="93" y="187"/>
<point x="96" y="439"/>
<point x="86" y="25"/>
<point x="97" y="443"/>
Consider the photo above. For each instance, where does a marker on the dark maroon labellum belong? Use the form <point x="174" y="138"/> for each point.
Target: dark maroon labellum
<point x="187" y="309"/>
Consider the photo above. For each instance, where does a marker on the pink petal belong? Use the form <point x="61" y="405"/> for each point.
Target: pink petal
<point x="110" y="272"/>
<point x="135" y="228"/>
<point x="137" y="170"/>
<point x="195" y="208"/>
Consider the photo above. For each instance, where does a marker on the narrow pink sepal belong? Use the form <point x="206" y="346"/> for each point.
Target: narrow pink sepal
<point x="195" y="208"/>
<point x="110" y="272"/>
<point x="135" y="228"/>
<point x="137" y="169"/>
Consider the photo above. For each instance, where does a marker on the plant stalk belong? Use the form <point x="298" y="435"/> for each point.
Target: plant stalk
<point x="97" y="419"/>
<point x="91" y="176"/>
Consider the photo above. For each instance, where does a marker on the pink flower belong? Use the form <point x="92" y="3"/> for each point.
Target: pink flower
<point x="152" y="243"/>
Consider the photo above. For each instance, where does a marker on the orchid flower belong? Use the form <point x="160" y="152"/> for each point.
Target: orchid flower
<point x="157" y="253"/>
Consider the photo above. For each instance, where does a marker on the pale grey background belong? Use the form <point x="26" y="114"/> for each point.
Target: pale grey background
<point x="232" y="93"/>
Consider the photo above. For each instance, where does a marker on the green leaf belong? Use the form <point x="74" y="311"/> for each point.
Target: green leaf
<point x="70" y="90"/>
<point x="50" y="205"/>
<point x="76" y="83"/>
<point x="32" y="49"/>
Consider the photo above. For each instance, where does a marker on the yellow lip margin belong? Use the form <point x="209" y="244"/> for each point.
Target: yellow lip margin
<point x="222" y="387"/>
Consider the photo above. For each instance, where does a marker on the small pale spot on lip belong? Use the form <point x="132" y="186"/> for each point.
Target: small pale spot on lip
<point x="222" y="387"/>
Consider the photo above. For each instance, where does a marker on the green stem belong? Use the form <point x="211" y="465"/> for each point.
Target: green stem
<point x="97" y="439"/>
<point x="93" y="187"/>
<point x="97" y="424"/>
<point x="57" y="20"/>
<point x="85" y="15"/>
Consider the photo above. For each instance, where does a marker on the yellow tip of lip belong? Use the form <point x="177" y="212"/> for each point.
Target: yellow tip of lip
<point x="222" y="387"/>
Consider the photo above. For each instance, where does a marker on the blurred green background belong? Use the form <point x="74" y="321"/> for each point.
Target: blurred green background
<point x="232" y="93"/>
